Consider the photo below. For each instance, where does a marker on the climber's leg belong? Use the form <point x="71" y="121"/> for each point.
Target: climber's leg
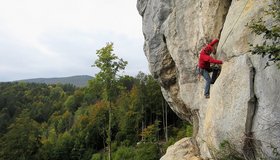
<point x="215" y="74"/>
<point x="206" y="76"/>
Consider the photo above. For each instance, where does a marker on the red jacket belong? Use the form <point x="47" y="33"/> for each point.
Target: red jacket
<point x="204" y="57"/>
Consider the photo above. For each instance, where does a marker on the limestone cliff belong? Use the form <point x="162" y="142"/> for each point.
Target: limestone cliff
<point x="244" y="105"/>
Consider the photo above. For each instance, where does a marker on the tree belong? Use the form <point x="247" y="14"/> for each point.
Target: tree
<point x="164" y="119"/>
<point x="129" y="117"/>
<point x="141" y="79"/>
<point x="92" y="91"/>
<point x="22" y="140"/>
<point x="109" y="65"/>
<point x="271" y="34"/>
<point x="73" y="102"/>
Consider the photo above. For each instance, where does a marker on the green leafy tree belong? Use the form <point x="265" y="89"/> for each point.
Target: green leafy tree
<point x="147" y="151"/>
<point x="22" y="140"/>
<point x="124" y="153"/>
<point x="150" y="133"/>
<point x="73" y="102"/>
<point x="270" y="29"/>
<point x="63" y="146"/>
<point x="126" y="82"/>
<point x="92" y="91"/>
<point x="129" y="116"/>
<point x="39" y="121"/>
<point x="109" y="65"/>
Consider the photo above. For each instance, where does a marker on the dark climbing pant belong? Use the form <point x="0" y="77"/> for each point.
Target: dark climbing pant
<point x="206" y="76"/>
<point x="216" y="72"/>
<point x="205" y="73"/>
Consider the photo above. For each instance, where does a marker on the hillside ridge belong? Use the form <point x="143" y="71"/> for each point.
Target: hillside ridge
<point x="78" y="80"/>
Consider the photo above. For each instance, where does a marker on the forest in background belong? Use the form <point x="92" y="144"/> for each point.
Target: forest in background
<point x="54" y="122"/>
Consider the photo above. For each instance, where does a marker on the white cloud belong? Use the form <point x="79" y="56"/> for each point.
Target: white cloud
<point x="47" y="38"/>
<point x="31" y="17"/>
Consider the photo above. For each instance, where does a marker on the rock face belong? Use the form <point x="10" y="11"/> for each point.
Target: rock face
<point x="245" y="100"/>
<point x="185" y="149"/>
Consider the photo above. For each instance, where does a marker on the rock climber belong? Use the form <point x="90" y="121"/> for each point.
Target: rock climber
<point x="204" y="64"/>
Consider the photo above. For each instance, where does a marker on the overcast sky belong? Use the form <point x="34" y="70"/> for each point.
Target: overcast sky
<point x="58" y="38"/>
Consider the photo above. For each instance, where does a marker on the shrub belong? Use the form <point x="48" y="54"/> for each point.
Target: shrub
<point x="124" y="153"/>
<point x="147" y="151"/>
<point x="98" y="156"/>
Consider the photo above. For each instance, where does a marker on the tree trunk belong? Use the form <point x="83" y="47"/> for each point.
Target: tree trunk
<point x="163" y="117"/>
<point x="143" y="120"/>
<point x="166" y="124"/>
<point x="109" y="131"/>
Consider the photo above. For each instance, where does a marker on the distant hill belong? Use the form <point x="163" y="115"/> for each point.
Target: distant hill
<point x="79" y="81"/>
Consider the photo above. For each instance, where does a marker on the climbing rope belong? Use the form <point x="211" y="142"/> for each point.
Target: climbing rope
<point x="234" y="24"/>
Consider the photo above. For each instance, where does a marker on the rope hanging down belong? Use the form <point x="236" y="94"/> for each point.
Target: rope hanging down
<point x="234" y="24"/>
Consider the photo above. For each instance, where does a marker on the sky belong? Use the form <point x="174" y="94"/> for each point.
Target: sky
<point x="59" y="38"/>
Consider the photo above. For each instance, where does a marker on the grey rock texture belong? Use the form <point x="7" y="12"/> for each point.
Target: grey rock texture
<point x="185" y="149"/>
<point x="245" y="100"/>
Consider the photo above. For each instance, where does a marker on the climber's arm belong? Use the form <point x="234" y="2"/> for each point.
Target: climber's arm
<point x="212" y="60"/>
<point x="214" y="42"/>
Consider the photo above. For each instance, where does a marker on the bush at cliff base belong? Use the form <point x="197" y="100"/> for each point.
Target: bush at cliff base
<point x="143" y="151"/>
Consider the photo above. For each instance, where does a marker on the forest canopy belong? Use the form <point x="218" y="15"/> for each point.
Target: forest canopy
<point x="40" y="121"/>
